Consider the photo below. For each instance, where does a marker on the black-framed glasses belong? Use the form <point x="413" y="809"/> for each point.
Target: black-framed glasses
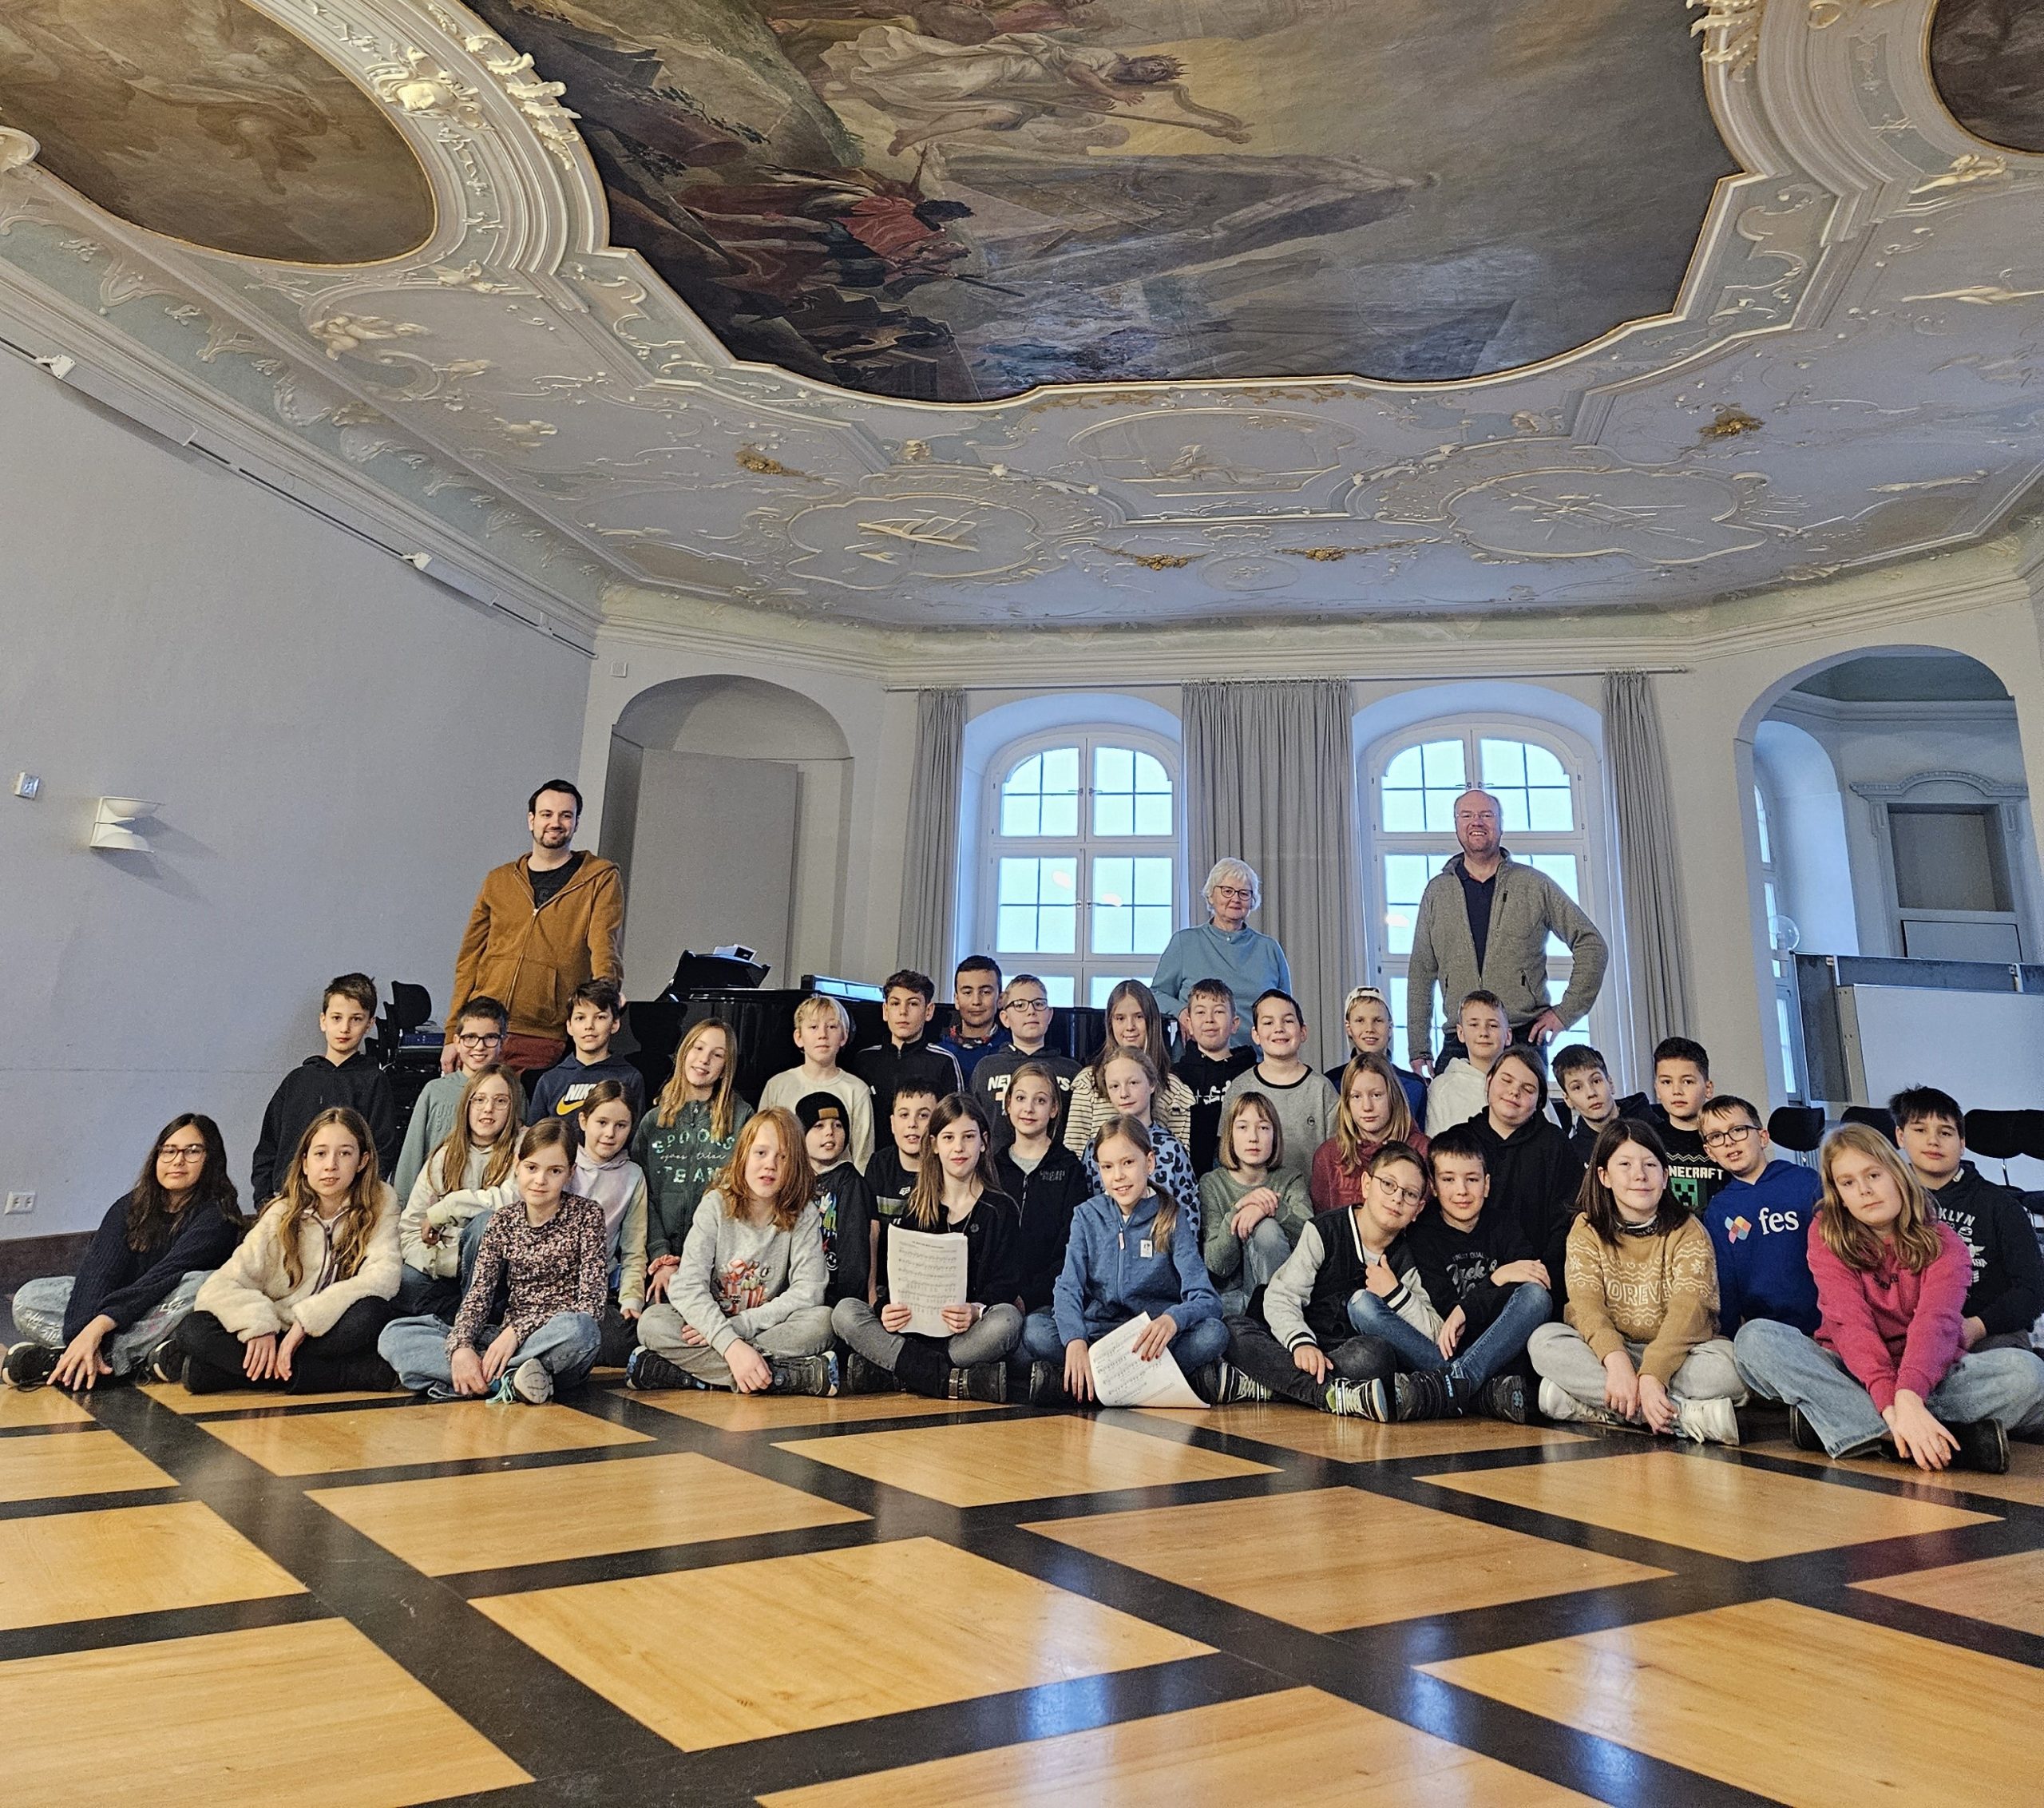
<point x="1733" y="1133"/>
<point x="184" y="1151"/>
<point x="480" y="1041"/>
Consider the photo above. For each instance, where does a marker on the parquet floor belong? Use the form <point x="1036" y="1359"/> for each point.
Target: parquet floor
<point x="690" y="1599"/>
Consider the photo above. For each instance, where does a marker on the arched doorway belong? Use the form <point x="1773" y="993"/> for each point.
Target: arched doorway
<point x="728" y="806"/>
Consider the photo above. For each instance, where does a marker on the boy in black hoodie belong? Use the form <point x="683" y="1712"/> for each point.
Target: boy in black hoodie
<point x="841" y="1199"/>
<point x="906" y="1057"/>
<point x="890" y="1176"/>
<point x="2007" y="1294"/>
<point x="1209" y="1064"/>
<point x="1534" y="1174"/>
<point x="1584" y="1077"/>
<point x="343" y="1075"/>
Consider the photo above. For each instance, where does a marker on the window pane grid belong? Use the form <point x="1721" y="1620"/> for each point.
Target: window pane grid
<point x="1099" y="906"/>
<point x="1541" y="818"/>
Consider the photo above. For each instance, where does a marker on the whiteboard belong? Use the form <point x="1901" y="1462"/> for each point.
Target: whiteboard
<point x="1986" y="1049"/>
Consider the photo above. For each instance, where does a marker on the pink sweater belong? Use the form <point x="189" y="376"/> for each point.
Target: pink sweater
<point x="1893" y="1329"/>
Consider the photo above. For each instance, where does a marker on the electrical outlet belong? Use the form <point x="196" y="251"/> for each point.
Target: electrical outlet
<point x="20" y="1201"/>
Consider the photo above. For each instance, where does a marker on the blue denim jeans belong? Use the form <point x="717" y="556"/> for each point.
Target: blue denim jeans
<point x="39" y="1308"/>
<point x="1780" y="1362"/>
<point x="1478" y="1360"/>
<point x="417" y="1348"/>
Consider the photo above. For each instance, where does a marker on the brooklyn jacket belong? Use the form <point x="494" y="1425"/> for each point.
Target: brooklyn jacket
<point x="1526" y="909"/>
<point x="1307" y="1300"/>
<point x="2007" y="1294"/>
<point x="531" y="957"/>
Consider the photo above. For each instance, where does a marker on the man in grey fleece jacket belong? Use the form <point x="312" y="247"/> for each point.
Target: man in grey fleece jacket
<point x="1483" y="924"/>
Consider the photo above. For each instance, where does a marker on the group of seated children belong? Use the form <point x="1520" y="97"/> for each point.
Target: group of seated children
<point x="1648" y="1271"/>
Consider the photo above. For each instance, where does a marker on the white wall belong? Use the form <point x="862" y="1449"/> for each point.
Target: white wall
<point x="341" y="747"/>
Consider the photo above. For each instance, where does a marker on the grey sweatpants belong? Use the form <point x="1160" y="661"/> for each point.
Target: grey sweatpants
<point x="804" y="1332"/>
<point x="994" y="1337"/>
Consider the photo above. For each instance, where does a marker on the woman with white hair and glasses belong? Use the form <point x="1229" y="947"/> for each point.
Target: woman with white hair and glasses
<point x="1226" y="949"/>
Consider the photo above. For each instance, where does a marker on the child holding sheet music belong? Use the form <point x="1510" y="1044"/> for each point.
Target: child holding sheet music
<point x="1133" y="1250"/>
<point x="956" y="1193"/>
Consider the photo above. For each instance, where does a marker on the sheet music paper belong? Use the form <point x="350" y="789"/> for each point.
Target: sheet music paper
<point x="1123" y="1379"/>
<point x="926" y="1272"/>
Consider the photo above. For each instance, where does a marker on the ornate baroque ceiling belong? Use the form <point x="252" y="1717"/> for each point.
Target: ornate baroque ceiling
<point x="1661" y="303"/>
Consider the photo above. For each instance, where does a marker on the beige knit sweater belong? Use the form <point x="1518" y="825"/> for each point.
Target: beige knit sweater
<point x="1660" y="1290"/>
<point x="251" y="1296"/>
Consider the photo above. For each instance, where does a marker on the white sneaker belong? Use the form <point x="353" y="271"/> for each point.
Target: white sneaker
<point x="1557" y="1403"/>
<point x="1708" y="1421"/>
<point x="533" y="1382"/>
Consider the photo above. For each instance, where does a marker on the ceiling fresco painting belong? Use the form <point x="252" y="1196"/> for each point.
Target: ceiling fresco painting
<point x="205" y="121"/>
<point x="1987" y="57"/>
<point x="794" y="311"/>
<point x="955" y="200"/>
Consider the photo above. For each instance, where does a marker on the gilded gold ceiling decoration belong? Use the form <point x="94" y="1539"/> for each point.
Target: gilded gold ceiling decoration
<point x="1845" y="375"/>
<point x="206" y="120"/>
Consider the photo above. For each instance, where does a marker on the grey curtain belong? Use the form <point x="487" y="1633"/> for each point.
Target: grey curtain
<point x="1269" y="778"/>
<point x="930" y="871"/>
<point x="1657" y="949"/>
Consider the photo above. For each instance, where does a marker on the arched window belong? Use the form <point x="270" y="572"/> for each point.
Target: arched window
<point x="1411" y="781"/>
<point x="1080" y="879"/>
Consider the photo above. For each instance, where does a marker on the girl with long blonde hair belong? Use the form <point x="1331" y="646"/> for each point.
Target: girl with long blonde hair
<point x="1888" y="1371"/>
<point x="1132" y="1252"/>
<point x="685" y="1139"/>
<point x="300" y="1303"/>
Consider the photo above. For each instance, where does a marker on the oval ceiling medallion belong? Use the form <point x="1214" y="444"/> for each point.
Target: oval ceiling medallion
<point x="955" y="200"/>
<point x="1987" y="59"/>
<point x="210" y="122"/>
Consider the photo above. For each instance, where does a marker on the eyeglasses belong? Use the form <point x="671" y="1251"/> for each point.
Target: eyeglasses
<point x="1402" y="1195"/>
<point x="1724" y="1139"/>
<point x="1234" y="893"/>
<point x="182" y="1152"/>
<point x="480" y="1041"/>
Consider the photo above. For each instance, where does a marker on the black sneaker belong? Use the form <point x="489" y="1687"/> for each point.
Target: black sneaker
<point x="30" y="1365"/>
<point x="1358" y="1400"/>
<point x="861" y="1375"/>
<point x="1232" y="1387"/>
<point x="1422" y="1394"/>
<point x="1802" y="1433"/>
<point x="806" y="1374"/>
<point x="166" y="1364"/>
<point x="1504" y="1396"/>
<point x="1982" y="1445"/>
<point x="647" y="1371"/>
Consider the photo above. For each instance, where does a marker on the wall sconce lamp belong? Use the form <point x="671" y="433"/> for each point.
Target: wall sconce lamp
<point x="114" y="824"/>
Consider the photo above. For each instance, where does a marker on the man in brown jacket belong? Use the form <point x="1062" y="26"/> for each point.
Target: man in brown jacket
<point x="542" y="925"/>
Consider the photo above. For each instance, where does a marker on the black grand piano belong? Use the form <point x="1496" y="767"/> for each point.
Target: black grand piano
<point x="763" y="1019"/>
